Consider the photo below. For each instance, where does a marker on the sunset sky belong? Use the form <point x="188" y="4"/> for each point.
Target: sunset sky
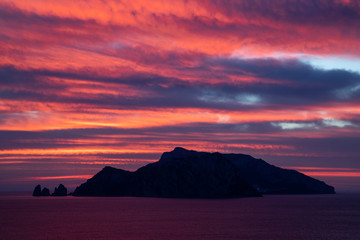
<point x="91" y="83"/>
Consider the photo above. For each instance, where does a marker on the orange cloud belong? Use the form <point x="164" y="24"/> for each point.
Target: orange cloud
<point x="179" y="25"/>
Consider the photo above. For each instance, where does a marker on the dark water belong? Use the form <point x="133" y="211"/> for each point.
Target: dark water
<point x="271" y="217"/>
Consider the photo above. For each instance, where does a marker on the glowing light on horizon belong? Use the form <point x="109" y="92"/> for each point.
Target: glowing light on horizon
<point x="61" y="177"/>
<point x="331" y="174"/>
<point x="73" y="151"/>
<point x="328" y="171"/>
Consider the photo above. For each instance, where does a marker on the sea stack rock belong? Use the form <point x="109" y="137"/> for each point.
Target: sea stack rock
<point x="37" y="191"/>
<point x="41" y="193"/>
<point x="60" y="191"/>
<point x="45" y="192"/>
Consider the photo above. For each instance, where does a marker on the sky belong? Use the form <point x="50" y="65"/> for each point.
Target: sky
<point x="93" y="83"/>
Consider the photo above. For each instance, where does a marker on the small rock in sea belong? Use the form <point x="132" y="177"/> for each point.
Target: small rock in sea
<point x="41" y="193"/>
<point x="45" y="192"/>
<point x="37" y="191"/>
<point x="60" y="191"/>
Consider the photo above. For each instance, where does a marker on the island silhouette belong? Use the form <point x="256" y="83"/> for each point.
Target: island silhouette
<point x="184" y="173"/>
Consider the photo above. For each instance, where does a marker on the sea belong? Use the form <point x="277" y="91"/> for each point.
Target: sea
<point x="277" y="217"/>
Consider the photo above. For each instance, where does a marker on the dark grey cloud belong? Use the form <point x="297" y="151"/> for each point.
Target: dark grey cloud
<point x="295" y="83"/>
<point x="299" y="83"/>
